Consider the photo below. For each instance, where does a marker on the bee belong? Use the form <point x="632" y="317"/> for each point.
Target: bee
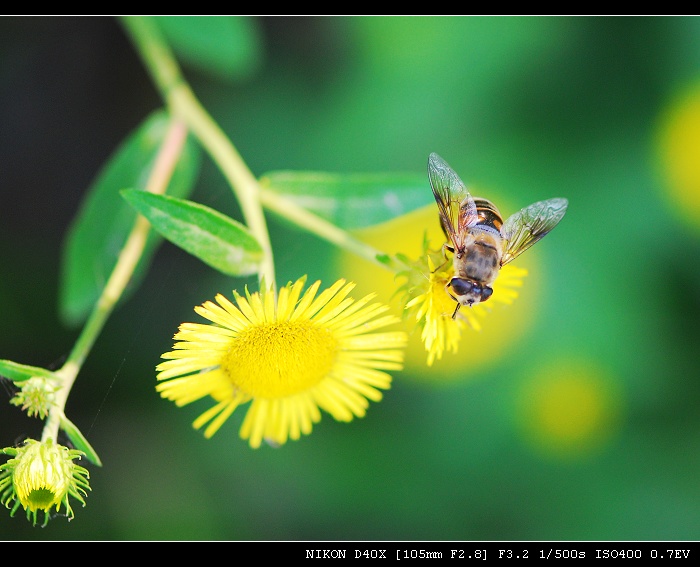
<point x="481" y="243"/>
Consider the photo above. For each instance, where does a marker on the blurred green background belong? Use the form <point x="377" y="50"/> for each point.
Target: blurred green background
<point x="573" y="416"/>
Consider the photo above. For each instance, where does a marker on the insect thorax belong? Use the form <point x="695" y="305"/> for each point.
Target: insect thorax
<point x="481" y="258"/>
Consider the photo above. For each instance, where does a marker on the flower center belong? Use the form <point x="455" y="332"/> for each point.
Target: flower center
<point x="41" y="499"/>
<point x="279" y="359"/>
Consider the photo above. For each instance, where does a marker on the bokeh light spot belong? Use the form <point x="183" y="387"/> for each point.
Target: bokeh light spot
<point x="568" y="409"/>
<point x="678" y="148"/>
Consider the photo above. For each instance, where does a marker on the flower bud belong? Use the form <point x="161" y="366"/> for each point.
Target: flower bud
<point x="41" y="476"/>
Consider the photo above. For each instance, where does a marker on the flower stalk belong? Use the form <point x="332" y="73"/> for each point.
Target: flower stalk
<point x="177" y="94"/>
<point x="318" y="226"/>
<point x="121" y="274"/>
<point x="182" y="102"/>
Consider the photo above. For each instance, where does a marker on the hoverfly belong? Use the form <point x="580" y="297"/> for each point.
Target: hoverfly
<point x="481" y="243"/>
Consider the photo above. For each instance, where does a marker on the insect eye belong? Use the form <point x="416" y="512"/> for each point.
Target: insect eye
<point x="486" y="292"/>
<point x="462" y="286"/>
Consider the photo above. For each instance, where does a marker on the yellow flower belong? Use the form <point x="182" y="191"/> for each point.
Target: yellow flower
<point x="501" y="327"/>
<point x="292" y="357"/>
<point x="40" y="476"/>
<point x="426" y="298"/>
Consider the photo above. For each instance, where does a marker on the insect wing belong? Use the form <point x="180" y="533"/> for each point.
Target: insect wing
<point x="529" y="225"/>
<point x="455" y="204"/>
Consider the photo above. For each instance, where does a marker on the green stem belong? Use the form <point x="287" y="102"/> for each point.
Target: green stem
<point x="121" y="274"/>
<point x="165" y="72"/>
<point x="314" y="224"/>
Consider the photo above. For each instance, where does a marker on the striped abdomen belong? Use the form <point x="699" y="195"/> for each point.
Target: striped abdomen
<point x="488" y="213"/>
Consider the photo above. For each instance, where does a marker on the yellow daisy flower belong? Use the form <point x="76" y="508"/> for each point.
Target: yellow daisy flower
<point x="291" y="357"/>
<point x="426" y="297"/>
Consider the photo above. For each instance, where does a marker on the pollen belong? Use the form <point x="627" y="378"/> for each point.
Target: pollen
<point x="280" y="358"/>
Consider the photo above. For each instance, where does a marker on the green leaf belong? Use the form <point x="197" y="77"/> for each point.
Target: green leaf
<point x="226" y="47"/>
<point x="352" y="200"/>
<point x="79" y="442"/>
<point x="211" y="236"/>
<point x="21" y="372"/>
<point x="104" y="220"/>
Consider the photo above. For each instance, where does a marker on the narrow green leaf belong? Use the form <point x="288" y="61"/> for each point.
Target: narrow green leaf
<point x="352" y="200"/>
<point x="79" y="442"/>
<point x="226" y="47"/>
<point x="21" y="372"/>
<point x="104" y="220"/>
<point x="211" y="236"/>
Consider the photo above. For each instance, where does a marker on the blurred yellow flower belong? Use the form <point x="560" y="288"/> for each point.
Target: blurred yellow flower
<point x="569" y="408"/>
<point x="42" y="475"/>
<point x="678" y="149"/>
<point x="292" y="357"/>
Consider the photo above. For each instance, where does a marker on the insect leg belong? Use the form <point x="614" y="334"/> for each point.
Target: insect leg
<point x="444" y="254"/>
<point x="454" y="314"/>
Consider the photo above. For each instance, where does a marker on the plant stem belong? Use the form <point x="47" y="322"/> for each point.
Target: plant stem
<point x="165" y="72"/>
<point x="121" y="274"/>
<point x="314" y="224"/>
